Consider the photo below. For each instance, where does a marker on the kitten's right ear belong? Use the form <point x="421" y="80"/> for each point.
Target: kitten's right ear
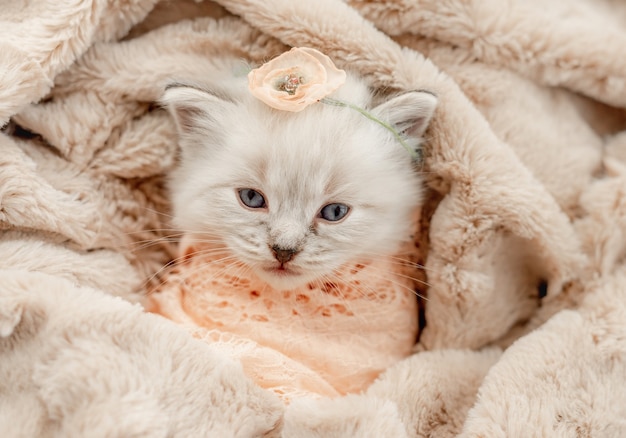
<point x="410" y="113"/>
<point x="195" y="110"/>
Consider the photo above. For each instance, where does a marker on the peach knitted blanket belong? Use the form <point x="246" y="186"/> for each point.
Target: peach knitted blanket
<point x="326" y="338"/>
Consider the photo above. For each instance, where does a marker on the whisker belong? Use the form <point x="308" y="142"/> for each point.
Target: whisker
<point x="153" y="230"/>
<point x="399" y="274"/>
<point x="173" y="262"/>
<point x="241" y="268"/>
<point x="397" y="259"/>
<point x="188" y="273"/>
<point x="334" y="278"/>
<point x="244" y="271"/>
<point x="159" y="213"/>
<point x="198" y="234"/>
<point x="146" y="243"/>
<point x="319" y="284"/>
<point x="413" y="291"/>
<point x="209" y="277"/>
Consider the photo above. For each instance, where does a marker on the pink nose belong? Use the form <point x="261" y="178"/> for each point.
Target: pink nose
<point x="283" y="255"/>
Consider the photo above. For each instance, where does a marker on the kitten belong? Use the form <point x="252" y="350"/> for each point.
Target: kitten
<point x="294" y="196"/>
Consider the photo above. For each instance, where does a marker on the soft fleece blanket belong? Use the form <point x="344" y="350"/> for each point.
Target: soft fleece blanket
<point x="523" y="235"/>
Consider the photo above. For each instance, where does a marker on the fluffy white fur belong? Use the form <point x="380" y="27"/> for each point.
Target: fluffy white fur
<point x="300" y="162"/>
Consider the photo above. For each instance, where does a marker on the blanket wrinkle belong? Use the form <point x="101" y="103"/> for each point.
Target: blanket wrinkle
<point x="79" y="143"/>
<point x="587" y="403"/>
<point x="100" y="338"/>
<point x="184" y="47"/>
<point x="512" y="35"/>
<point x="125" y="155"/>
<point x="51" y="37"/>
<point x="106" y="270"/>
<point x="429" y="372"/>
<point x="30" y="201"/>
<point x="525" y="160"/>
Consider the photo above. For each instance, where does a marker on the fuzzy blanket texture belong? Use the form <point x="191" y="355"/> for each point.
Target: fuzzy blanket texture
<point x="523" y="234"/>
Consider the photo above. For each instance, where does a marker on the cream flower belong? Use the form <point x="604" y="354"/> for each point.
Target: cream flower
<point x="295" y="79"/>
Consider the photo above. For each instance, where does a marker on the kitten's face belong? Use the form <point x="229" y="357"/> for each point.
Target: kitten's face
<point x="295" y="195"/>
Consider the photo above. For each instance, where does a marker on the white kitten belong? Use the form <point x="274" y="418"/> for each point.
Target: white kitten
<point x="296" y="195"/>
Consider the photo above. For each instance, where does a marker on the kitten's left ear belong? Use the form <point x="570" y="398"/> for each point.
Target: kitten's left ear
<point x="408" y="113"/>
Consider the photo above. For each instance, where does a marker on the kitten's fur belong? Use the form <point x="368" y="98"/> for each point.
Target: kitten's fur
<point x="299" y="162"/>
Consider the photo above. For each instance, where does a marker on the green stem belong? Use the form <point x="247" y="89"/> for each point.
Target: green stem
<point x="370" y="116"/>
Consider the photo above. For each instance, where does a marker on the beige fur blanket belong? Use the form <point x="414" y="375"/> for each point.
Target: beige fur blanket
<point x="523" y="236"/>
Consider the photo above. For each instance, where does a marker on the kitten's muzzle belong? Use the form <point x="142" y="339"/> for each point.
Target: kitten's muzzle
<point x="283" y="255"/>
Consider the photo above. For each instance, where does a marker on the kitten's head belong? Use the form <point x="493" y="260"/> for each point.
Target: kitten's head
<point x="296" y="195"/>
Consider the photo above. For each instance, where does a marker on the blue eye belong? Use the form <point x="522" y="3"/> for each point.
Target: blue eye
<point x="334" y="212"/>
<point x="252" y="198"/>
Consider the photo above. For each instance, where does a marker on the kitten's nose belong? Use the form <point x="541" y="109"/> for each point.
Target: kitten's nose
<point x="283" y="255"/>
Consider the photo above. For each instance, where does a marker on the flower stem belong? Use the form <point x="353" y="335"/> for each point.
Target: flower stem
<point x="370" y="116"/>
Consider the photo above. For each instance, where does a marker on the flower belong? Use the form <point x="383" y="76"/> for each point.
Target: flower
<point x="295" y="79"/>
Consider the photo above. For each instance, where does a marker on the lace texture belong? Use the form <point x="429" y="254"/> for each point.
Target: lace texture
<point x="327" y="338"/>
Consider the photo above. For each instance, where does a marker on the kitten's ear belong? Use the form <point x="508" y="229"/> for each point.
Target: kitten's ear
<point x="194" y="109"/>
<point x="408" y="113"/>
